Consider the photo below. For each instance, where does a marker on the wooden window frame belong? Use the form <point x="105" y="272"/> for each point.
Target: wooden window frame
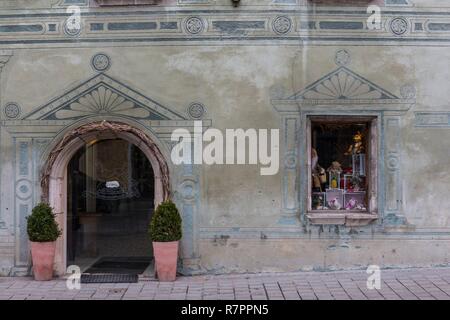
<point x="346" y="217"/>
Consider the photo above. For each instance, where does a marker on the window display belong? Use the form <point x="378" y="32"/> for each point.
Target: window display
<point x="340" y="146"/>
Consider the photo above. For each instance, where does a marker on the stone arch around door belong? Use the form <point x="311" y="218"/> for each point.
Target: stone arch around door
<point x="54" y="171"/>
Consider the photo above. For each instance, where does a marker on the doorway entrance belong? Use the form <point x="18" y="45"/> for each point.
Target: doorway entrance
<point x="54" y="176"/>
<point x="110" y="200"/>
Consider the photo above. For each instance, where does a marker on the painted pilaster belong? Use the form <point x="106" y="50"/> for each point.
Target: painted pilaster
<point x="290" y="205"/>
<point x="23" y="196"/>
<point x="4" y="58"/>
<point x="393" y="211"/>
<point x="187" y="196"/>
<point x="39" y="145"/>
<point x="28" y="152"/>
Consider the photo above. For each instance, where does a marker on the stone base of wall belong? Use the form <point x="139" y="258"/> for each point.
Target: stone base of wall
<point x="289" y="255"/>
<point x="6" y="254"/>
<point x="6" y="265"/>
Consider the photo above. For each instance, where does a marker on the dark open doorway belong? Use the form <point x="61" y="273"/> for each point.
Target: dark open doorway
<point x="110" y="201"/>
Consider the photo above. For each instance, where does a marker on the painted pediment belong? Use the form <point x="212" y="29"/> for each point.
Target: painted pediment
<point x="103" y="95"/>
<point x="343" y="84"/>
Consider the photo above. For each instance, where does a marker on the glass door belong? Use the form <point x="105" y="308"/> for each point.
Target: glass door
<point x="110" y="202"/>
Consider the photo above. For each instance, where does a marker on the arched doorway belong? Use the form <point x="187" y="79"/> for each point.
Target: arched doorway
<point x="110" y="200"/>
<point x="68" y="161"/>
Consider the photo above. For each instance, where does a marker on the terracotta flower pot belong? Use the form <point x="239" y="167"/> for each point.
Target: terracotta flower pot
<point x="43" y="255"/>
<point x="166" y="256"/>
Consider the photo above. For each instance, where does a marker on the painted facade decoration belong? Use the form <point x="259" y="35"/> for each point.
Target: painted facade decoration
<point x="264" y="65"/>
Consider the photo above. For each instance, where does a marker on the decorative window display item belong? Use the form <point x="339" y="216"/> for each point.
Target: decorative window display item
<point x="334" y="199"/>
<point x="355" y="200"/>
<point x="322" y="176"/>
<point x="358" y="145"/>
<point x="318" y="201"/>
<point x="353" y="183"/>
<point x="348" y="182"/>
<point x="334" y="204"/>
<point x="335" y="178"/>
<point x="334" y="172"/>
<point x="358" y="183"/>
<point x="318" y="173"/>
<point x="348" y="170"/>
<point x="316" y="182"/>
<point x="359" y="164"/>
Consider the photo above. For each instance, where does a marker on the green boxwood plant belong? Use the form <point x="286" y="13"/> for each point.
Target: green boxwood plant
<point x="41" y="224"/>
<point x="165" y="225"/>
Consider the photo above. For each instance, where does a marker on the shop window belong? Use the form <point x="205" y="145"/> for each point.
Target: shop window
<point x="342" y="164"/>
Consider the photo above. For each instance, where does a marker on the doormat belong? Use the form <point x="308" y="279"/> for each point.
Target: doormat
<point x="109" y="278"/>
<point x="120" y="265"/>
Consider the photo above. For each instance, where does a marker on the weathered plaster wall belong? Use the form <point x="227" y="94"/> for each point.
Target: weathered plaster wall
<point x="234" y="216"/>
<point x="320" y="254"/>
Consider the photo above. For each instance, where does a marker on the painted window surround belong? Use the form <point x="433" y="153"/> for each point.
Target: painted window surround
<point x="295" y="112"/>
<point x="296" y="183"/>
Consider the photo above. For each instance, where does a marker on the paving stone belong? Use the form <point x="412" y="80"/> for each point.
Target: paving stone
<point x="411" y="284"/>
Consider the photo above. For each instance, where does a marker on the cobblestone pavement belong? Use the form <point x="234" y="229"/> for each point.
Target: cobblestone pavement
<point x="417" y="284"/>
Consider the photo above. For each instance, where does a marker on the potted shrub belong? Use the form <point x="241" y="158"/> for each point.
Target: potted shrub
<point x="42" y="231"/>
<point x="165" y="232"/>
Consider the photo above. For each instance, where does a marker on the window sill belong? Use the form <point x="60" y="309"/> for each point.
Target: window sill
<point x="349" y="219"/>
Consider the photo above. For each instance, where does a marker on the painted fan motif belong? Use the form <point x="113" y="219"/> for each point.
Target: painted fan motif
<point x="102" y="101"/>
<point x="343" y="86"/>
